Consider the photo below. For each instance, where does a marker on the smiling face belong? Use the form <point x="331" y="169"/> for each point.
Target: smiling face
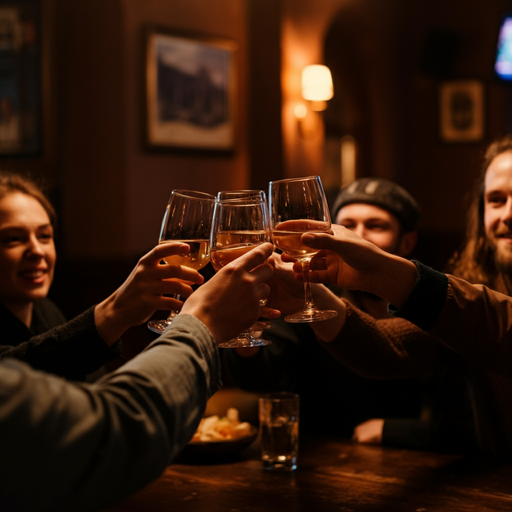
<point x="27" y="250"/>
<point x="498" y="207"/>
<point x="373" y="224"/>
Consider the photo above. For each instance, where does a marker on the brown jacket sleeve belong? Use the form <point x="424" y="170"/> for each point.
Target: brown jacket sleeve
<point x="384" y="348"/>
<point x="476" y="322"/>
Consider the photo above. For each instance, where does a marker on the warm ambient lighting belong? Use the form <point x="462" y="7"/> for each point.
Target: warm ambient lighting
<point x="317" y="86"/>
<point x="300" y="110"/>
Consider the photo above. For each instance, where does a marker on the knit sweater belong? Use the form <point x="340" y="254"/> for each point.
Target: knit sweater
<point x="73" y="351"/>
<point x="467" y="327"/>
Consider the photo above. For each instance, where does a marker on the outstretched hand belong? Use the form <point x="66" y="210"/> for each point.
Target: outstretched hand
<point x="230" y="301"/>
<point x="339" y="250"/>
<point x="349" y="261"/>
<point x="287" y="294"/>
<point x="143" y="292"/>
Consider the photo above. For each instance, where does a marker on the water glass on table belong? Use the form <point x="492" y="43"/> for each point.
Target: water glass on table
<point x="279" y="430"/>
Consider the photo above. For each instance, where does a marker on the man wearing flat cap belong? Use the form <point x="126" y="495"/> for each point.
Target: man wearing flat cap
<point x="383" y="213"/>
<point x="336" y="400"/>
<point x="385" y="206"/>
<point x="333" y="398"/>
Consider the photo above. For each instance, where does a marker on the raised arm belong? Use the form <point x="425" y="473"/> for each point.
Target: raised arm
<point x="109" y="439"/>
<point x="86" y="342"/>
<point x="457" y="313"/>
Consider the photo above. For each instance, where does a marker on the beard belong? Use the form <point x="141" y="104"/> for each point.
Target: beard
<point x="502" y="257"/>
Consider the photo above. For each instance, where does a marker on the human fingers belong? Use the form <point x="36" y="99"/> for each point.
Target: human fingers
<point x="336" y="229"/>
<point x="286" y="258"/>
<point x="167" y="287"/>
<point x="163" y="250"/>
<point x="176" y="272"/>
<point x="322" y="241"/>
<point x="349" y="248"/>
<point x="262" y="273"/>
<point x="270" y="313"/>
<point x="318" y="276"/>
<point x="369" y="432"/>
<point x="344" y="242"/>
<point x="319" y="261"/>
<point x="150" y="268"/>
<point x="255" y="257"/>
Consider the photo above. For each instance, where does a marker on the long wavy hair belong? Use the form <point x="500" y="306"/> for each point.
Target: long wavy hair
<point x="11" y="182"/>
<point x="475" y="261"/>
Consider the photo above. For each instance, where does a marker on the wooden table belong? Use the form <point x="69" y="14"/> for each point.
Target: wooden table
<point x="333" y="475"/>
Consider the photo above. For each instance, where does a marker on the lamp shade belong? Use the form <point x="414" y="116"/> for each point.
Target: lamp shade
<point x="317" y="83"/>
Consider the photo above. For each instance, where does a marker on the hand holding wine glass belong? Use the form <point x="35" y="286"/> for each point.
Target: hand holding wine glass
<point x="238" y="225"/>
<point x="229" y="301"/>
<point x="187" y="219"/>
<point x="298" y="206"/>
<point x="248" y="194"/>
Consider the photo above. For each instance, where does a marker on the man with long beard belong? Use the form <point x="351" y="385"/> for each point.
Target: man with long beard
<point x="486" y="256"/>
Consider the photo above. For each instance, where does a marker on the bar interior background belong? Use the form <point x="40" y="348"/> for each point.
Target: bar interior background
<point x="389" y="60"/>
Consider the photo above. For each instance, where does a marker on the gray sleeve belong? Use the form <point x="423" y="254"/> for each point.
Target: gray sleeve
<point x="83" y="447"/>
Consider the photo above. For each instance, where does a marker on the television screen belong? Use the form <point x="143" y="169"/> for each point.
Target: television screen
<point x="503" y="63"/>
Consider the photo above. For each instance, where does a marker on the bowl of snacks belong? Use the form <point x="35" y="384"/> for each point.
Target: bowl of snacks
<point x="220" y="436"/>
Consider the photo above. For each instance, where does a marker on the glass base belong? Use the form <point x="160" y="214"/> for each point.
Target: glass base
<point x="159" y="326"/>
<point x="280" y="466"/>
<point x="310" y="315"/>
<point x="244" y="342"/>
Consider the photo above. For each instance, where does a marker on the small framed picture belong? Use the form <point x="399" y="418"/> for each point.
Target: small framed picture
<point x="462" y="116"/>
<point x="191" y="91"/>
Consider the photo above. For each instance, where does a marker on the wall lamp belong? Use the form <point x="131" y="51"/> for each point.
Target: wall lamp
<point x="317" y="90"/>
<point x="317" y="86"/>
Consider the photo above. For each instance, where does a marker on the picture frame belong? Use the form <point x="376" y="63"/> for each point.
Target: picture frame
<point x="462" y="111"/>
<point x="20" y="78"/>
<point x="191" y="91"/>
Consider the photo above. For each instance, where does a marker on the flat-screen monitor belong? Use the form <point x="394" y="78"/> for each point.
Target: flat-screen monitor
<point x="503" y="62"/>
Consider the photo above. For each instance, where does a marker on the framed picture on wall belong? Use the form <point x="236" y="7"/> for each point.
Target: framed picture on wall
<point x="20" y="78"/>
<point x="462" y="116"/>
<point x="190" y="91"/>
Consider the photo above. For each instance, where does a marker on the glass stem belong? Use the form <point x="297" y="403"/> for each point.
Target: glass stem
<point x="308" y="304"/>
<point x="173" y="314"/>
<point x="245" y="335"/>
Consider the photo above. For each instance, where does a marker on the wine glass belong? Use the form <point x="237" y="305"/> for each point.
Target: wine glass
<point x="260" y="324"/>
<point x="241" y="194"/>
<point x="298" y="206"/>
<point x="238" y="225"/>
<point x="187" y="219"/>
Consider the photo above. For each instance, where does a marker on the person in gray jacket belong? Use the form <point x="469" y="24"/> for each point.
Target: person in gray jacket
<point x="83" y="447"/>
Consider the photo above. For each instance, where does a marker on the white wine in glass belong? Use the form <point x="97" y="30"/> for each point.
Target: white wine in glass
<point x="298" y="206"/>
<point x="248" y="194"/>
<point x="239" y="225"/>
<point x="187" y="219"/>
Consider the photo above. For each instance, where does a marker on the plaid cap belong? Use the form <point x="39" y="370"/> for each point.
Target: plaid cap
<point x="384" y="194"/>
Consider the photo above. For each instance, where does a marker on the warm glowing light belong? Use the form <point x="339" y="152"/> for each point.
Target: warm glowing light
<point x="317" y="83"/>
<point x="300" y="110"/>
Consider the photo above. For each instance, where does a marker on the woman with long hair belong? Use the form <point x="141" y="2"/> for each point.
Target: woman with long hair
<point x="27" y="263"/>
